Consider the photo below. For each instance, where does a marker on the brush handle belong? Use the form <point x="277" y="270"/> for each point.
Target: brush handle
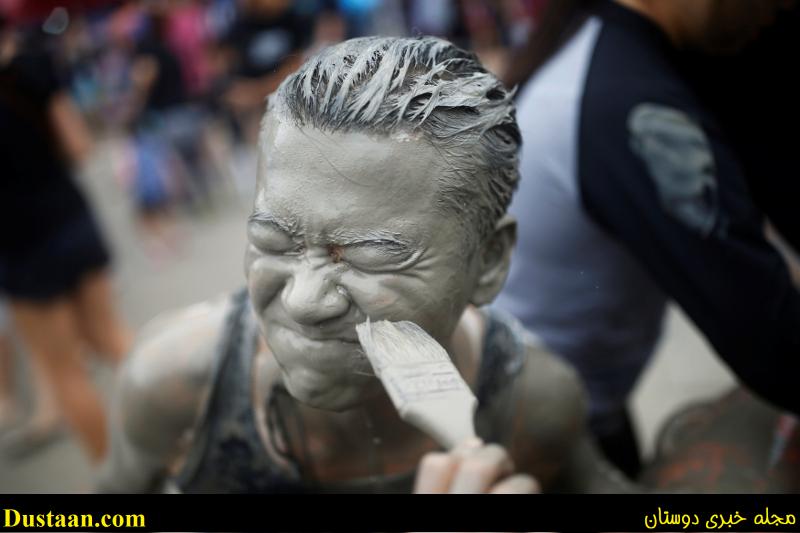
<point x="449" y="420"/>
<point x="421" y="380"/>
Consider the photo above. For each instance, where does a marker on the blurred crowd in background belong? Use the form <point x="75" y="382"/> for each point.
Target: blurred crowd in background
<point x="171" y="92"/>
<point x="184" y="80"/>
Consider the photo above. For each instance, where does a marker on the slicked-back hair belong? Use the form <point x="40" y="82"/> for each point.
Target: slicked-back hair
<point x="395" y="85"/>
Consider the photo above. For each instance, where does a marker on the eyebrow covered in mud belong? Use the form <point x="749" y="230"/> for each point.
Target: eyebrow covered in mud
<point x="390" y="241"/>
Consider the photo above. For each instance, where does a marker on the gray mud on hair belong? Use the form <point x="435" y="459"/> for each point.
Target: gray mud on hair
<point x="395" y="87"/>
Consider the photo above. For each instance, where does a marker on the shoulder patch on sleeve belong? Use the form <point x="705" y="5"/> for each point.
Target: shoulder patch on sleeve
<point x="680" y="162"/>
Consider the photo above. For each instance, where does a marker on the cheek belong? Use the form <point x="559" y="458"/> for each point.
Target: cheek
<point x="434" y="300"/>
<point x="265" y="277"/>
<point x="381" y="296"/>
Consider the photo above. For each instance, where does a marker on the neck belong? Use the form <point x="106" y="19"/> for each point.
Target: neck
<point x="368" y="441"/>
<point x="668" y="15"/>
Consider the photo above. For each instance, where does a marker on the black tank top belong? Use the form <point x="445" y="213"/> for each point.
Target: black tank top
<point x="227" y="454"/>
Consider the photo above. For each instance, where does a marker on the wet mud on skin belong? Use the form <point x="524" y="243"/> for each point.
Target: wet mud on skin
<point x="343" y="229"/>
<point x="211" y="263"/>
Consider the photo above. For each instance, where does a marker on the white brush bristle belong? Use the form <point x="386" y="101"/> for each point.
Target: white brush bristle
<point x="398" y="343"/>
<point x="421" y="380"/>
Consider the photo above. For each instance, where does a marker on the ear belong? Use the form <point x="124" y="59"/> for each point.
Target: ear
<point x="495" y="261"/>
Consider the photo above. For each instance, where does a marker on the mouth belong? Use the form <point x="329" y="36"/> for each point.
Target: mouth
<point x="329" y="349"/>
<point x="320" y="335"/>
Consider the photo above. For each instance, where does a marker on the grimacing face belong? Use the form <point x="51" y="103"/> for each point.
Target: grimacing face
<point x="345" y="226"/>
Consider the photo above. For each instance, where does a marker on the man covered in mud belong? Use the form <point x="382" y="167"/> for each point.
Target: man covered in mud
<point x="386" y="166"/>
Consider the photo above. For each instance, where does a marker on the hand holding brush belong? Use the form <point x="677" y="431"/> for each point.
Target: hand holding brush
<point x="429" y="393"/>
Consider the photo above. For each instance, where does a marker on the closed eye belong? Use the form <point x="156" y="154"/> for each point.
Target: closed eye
<point x="377" y="255"/>
<point x="269" y="238"/>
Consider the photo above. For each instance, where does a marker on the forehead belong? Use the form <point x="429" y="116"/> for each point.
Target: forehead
<point x="347" y="179"/>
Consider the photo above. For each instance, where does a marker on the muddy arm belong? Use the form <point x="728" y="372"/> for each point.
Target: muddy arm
<point x="160" y="398"/>
<point x="551" y="439"/>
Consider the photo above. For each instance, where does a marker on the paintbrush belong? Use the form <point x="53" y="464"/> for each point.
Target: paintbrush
<point x="421" y="380"/>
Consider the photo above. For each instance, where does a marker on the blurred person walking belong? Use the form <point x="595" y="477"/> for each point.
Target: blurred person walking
<point x="53" y="261"/>
<point x="638" y="187"/>
<point x="23" y="423"/>
<point x="157" y="94"/>
<point x="264" y="44"/>
<point x="170" y="76"/>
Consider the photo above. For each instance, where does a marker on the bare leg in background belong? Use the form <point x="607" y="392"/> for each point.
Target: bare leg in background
<point x="99" y="322"/>
<point x="9" y="408"/>
<point x="52" y="333"/>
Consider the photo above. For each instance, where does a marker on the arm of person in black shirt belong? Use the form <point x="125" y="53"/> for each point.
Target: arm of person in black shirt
<point x="70" y="128"/>
<point x="672" y="192"/>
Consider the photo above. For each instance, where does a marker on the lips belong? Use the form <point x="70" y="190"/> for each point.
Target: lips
<point x="322" y="336"/>
<point x="317" y="335"/>
<point x="336" y="355"/>
<point x="345" y="334"/>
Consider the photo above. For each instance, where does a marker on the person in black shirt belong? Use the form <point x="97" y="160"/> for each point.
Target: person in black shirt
<point x="262" y="47"/>
<point x="642" y="182"/>
<point x="53" y="260"/>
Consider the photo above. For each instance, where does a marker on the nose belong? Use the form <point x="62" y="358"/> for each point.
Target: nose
<point x="311" y="296"/>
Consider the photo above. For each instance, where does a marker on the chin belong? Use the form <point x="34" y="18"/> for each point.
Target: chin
<point x="329" y="393"/>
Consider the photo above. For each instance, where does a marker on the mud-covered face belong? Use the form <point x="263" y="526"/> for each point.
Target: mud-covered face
<point x="345" y="227"/>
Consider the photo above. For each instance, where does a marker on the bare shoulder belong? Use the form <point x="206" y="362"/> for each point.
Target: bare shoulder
<point x="551" y="386"/>
<point x="166" y="378"/>
<point x="550" y="409"/>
